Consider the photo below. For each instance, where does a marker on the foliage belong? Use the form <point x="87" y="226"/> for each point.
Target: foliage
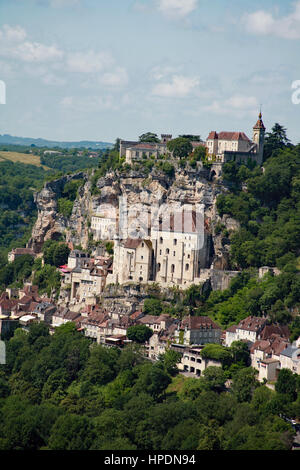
<point x="180" y="147"/>
<point x="55" y="253"/>
<point x="139" y="333"/>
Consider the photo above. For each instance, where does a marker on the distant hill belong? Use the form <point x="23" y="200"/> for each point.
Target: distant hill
<point x="27" y="141"/>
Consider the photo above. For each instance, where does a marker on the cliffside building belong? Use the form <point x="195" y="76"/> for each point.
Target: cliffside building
<point x="236" y="146"/>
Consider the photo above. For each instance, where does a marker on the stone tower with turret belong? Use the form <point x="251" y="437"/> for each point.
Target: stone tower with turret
<point x="259" y="138"/>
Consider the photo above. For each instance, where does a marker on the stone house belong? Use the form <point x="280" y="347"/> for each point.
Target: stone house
<point x="16" y="252"/>
<point x="132" y="261"/>
<point x="248" y="329"/>
<point x="197" y="330"/>
<point x="191" y="360"/>
<point x="290" y="358"/>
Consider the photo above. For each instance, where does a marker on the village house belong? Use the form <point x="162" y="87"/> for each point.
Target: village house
<point x="191" y="360"/>
<point x="265" y="356"/>
<point x="17" y="252"/>
<point x="290" y="358"/>
<point x="197" y="330"/>
<point x="248" y="330"/>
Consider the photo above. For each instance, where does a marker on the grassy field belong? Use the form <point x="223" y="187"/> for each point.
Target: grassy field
<point x="29" y="158"/>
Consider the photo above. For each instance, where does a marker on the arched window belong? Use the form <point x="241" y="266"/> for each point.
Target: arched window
<point x="161" y="240"/>
<point x="167" y="251"/>
<point x="172" y="268"/>
<point x="158" y="267"/>
<point x="187" y="267"/>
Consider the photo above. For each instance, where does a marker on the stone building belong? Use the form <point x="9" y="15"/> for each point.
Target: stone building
<point x="236" y="146"/>
<point x="197" y="330"/>
<point x="181" y="248"/>
<point x="132" y="261"/>
<point x="248" y="330"/>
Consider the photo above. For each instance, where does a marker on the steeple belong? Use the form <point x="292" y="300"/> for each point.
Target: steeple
<point x="259" y="138"/>
<point x="259" y="124"/>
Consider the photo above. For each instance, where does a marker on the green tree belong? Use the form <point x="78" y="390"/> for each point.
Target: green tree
<point x="139" y="333"/>
<point x="286" y="383"/>
<point x="149" y="137"/>
<point x="180" y="147"/>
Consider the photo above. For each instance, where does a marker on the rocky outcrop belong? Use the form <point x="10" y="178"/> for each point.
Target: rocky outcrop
<point x="188" y="187"/>
<point x="50" y="224"/>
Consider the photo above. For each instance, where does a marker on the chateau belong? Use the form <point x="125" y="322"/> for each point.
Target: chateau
<point x="221" y="147"/>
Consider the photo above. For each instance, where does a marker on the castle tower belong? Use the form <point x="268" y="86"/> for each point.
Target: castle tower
<point x="259" y="138"/>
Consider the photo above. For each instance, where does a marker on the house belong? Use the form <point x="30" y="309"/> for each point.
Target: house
<point x="44" y="311"/>
<point x="16" y="252"/>
<point x="290" y="358"/>
<point x="77" y="258"/>
<point x="248" y="329"/>
<point x="197" y="330"/>
<point x="87" y="281"/>
<point x="265" y="356"/>
<point x="191" y="360"/>
<point x="132" y="261"/>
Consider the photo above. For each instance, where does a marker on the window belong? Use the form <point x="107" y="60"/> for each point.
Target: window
<point x="167" y="251"/>
<point x="172" y="268"/>
<point x="158" y="267"/>
<point x="175" y="242"/>
<point x="174" y="253"/>
<point x="187" y="267"/>
<point x="142" y="257"/>
<point x="161" y="240"/>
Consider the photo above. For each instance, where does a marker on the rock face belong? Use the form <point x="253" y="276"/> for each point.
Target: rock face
<point x="50" y="225"/>
<point x="188" y="187"/>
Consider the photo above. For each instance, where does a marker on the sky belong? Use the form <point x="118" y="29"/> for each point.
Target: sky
<point x="103" y="69"/>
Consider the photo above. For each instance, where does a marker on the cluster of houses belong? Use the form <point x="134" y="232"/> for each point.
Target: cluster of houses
<point x="269" y="345"/>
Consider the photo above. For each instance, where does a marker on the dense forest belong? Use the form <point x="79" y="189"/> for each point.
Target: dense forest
<point x="61" y="392"/>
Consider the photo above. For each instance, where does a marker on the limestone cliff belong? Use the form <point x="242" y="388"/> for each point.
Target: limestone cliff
<point x="187" y="187"/>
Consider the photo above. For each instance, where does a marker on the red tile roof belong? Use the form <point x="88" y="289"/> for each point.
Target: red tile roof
<point x="228" y="136"/>
<point x="196" y="323"/>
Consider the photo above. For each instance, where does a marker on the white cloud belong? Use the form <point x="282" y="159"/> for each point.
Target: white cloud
<point x="115" y="78"/>
<point x="14" y="44"/>
<point x="176" y="8"/>
<point x="239" y="104"/>
<point x="89" y="62"/>
<point x="178" y="87"/>
<point x="265" y="23"/>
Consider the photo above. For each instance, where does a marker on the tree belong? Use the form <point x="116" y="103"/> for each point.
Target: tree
<point x="170" y="360"/>
<point x="180" y="147"/>
<point x="275" y="140"/>
<point x="139" y="333"/>
<point x="71" y="432"/>
<point x="149" y="137"/>
<point x="244" y="383"/>
<point x="152" y="306"/>
<point x="286" y="383"/>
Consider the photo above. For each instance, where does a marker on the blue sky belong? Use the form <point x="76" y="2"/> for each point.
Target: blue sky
<point x="99" y="69"/>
